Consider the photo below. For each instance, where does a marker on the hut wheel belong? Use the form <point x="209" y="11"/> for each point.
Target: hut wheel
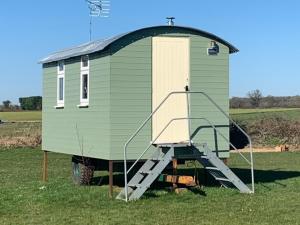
<point x="82" y="170"/>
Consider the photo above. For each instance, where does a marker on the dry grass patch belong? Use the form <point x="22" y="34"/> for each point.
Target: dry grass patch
<point x="20" y="134"/>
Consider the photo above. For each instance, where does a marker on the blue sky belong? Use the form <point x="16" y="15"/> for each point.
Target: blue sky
<point x="266" y="32"/>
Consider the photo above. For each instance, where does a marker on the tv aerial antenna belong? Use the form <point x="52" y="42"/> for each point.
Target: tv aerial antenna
<point x="98" y="8"/>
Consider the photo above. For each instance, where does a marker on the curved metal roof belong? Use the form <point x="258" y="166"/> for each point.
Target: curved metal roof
<point x="100" y="45"/>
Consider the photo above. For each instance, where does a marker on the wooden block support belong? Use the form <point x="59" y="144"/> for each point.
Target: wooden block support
<point x="110" y="169"/>
<point x="45" y="167"/>
<point x="177" y="179"/>
<point x="225" y="161"/>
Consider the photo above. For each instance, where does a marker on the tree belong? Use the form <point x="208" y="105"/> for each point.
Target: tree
<point x="6" y="104"/>
<point x="255" y="97"/>
<point x="31" y="103"/>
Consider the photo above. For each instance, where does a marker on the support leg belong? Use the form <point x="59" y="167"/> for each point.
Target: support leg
<point x="45" y="167"/>
<point x="110" y="165"/>
<point x="174" y="162"/>
<point x="205" y="177"/>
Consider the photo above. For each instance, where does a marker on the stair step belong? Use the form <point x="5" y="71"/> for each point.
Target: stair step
<point x="222" y="179"/>
<point x="146" y="172"/>
<point x="156" y="159"/>
<point x="136" y="185"/>
<point x="175" y="145"/>
<point x="212" y="168"/>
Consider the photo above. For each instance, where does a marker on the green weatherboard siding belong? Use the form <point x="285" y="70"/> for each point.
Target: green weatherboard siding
<point x="120" y="99"/>
<point x="73" y="130"/>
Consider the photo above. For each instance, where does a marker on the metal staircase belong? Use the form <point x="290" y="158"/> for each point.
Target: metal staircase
<point x="220" y="171"/>
<point x="148" y="173"/>
<point x="162" y="156"/>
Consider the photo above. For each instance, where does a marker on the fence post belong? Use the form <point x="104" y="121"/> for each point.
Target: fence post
<point x="45" y="167"/>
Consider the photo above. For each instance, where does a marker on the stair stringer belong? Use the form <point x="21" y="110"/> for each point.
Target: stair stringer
<point x="147" y="174"/>
<point x="217" y="168"/>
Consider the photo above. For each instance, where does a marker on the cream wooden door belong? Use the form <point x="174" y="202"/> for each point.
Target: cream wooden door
<point x="170" y="72"/>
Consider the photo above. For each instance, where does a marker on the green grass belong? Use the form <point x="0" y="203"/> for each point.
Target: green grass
<point x="255" y="114"/>
<point x="23" y="200"/>
<point x="239" y="111"/>
<point x="21" y="116"/>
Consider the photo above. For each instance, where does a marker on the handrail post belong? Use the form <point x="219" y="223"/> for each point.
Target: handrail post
<point x="188" y="114"/>
<point x="125" y="173"/>
<point x="252" y="166"/>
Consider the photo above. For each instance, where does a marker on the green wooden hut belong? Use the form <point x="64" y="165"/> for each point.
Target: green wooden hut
<point x="97" y="94"/>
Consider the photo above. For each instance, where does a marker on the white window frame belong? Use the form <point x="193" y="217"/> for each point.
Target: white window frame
<point x="60" y="74"/>
<point x="84" y="101"/>
<point x="61" y="71"/>
<point x="81" y="63"/>
<point x="84" y="70"/>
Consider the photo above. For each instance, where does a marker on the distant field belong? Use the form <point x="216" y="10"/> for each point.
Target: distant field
<point x="21" y="116"/>
<point x="23" y="129"/>
<point x="239" y="111"/>
<point x="254" y="114"/>
<point x="239" y="114"/>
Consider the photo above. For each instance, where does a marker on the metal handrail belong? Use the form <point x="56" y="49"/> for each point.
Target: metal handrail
<point x="165" y="127"/>
<point x="158" y="107"/>
<point x="188" y="118"/>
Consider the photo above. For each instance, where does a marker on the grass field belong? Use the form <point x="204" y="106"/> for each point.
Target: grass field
<point x="21" y="116"/>
<point x="293" y="113"/>
<point x="242" y="111"/>
<point x="255" y="114"/>
<point x="21" y="130"/>
<point x="24" y="199"/>
<point x="20" y="134"/>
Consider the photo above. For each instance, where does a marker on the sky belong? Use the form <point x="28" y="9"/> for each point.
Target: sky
<point x="267" y="33"/>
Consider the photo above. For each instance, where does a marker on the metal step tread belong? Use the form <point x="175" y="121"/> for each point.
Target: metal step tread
<point x="212" y="168"/>
<point x="223" y="179"/>
<point x="136" y="185"/>
<point x="157" y="159"/>
<point x="146" y="172"/>
<point x="175" y="145"/>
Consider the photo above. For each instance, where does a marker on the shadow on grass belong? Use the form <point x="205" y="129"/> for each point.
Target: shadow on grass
<point x="261" y="176"/>
<point x="265" y="176"/>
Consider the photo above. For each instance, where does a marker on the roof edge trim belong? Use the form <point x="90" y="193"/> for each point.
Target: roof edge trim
<point x="99" y="45"/>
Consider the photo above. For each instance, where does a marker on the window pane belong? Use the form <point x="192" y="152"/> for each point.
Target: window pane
<point x="61" y="89"/>
<point x="60" y="66"/>
<point x="84" y="86"/>
<point x="85" y="61"/>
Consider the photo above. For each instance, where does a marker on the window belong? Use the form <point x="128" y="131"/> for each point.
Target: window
<point x="213" y="49"/>
<point x="84" y="82"/>
<point x="60" y="67"/>
<point x="84" y="86"/>
<point x="60" y="85"/>
<point x="84" y="62"/>
<point x="61" y="89"/>
<point x="84" y="89"/>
